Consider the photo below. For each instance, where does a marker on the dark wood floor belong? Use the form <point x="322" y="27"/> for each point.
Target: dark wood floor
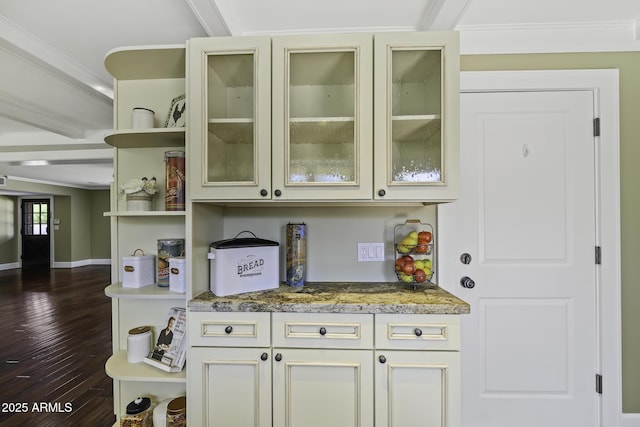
<point x="55" y="340"/>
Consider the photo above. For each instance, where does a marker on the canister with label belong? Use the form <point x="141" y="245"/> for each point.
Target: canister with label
<point x="175" y="181"/>
<point x="167" y="249"/>
<point x="296" y="251"/>
<point x="177" y="279"/>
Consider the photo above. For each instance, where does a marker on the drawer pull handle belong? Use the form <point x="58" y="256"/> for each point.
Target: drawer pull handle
<point x="323" y="331"/>
<point x="264" y="356"/>
<point x="382" y="359"/>
<point x="418" y="332"/>
<point x="228" y="329"/>
<point x="278" y="357"/>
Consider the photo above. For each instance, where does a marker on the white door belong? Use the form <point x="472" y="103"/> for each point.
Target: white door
<point x="526" y="218"/>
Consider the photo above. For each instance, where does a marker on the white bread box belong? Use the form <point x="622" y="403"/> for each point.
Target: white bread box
<point x="243" y="264"/>
<point x="138" y="270"/>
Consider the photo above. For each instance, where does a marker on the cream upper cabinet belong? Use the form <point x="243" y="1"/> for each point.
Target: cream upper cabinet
<point x="229" y="118"/>
<point x="333" y="117"/>
<point x="322" y="110"/>
<point x="416" y="96"/>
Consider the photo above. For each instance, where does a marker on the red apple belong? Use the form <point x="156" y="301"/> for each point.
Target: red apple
<point x="419" y="276"/>
<point x="426" y="236"/>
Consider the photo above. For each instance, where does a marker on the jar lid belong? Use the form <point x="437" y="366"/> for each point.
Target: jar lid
<point x="173" y="154"/>
<point x="140" y="404"/>
<point x="177" y="406"/>
<point x="139" y="330"/>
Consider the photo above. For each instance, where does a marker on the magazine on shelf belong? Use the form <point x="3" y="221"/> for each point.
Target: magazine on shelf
<point x="170" y="350"/>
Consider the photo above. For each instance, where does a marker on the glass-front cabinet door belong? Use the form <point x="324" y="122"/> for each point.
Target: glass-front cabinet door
<point x="322" y="110"/>
<point x="416" y="116"/>
<point x="229" y="121"/>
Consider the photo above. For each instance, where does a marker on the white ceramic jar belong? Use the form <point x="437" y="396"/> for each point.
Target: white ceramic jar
<point x="142" y="118"/>
<point x="138" y="344"/>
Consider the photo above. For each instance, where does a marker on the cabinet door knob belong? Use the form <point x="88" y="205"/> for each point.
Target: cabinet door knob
<point x="228" y="329"/>
<point x="278" y="357"/>
<point x="323" y="331"/>
<point x="264" y="192"/>
<point x="277" y="193"/>
<point x="418" y="332"/>
<point x="382" y="359"/>
<point x="381" y="192"/>
<point x="467" y="282"/>
<point x="264" y="356"/>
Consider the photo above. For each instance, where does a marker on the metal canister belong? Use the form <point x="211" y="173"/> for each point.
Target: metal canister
<point x="296" y="250"/>
<point x="177" y="412"/>
<point x="175" y="181"/>
<point x="167" y="248"/>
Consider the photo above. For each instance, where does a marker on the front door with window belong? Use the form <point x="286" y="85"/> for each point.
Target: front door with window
<point x="36" y="243"/>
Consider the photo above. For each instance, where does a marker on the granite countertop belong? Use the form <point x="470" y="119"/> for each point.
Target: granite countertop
<point x="335" y="297"/>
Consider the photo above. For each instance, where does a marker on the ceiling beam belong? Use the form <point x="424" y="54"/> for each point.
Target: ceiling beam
<point x="212" y="19"/>
<point x="23" y="43"/>
<point x="443" y="15"/>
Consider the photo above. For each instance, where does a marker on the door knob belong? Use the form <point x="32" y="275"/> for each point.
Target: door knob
<point x="467" y="282"/>
<point x="228" y="329"/>
<point x="465" y="258"/>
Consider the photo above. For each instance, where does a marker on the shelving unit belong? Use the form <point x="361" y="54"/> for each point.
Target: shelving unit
<point x="149" y="77"/>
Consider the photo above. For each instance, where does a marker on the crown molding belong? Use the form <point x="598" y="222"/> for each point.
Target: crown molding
<point x="609" y="36"/>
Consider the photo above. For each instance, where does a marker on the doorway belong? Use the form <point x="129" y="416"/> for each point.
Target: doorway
<point x="35" y="226"/>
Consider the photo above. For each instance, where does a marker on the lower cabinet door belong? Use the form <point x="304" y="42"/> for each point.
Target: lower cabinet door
<point x="320" y="388"/>
<point x="229" y="387"/>
<point x="417" y="389"/>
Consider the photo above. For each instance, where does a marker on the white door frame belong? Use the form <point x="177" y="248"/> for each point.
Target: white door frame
<point x="605" y="86"/>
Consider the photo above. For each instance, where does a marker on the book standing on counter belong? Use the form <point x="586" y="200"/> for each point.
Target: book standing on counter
<point x="169" y="353"/>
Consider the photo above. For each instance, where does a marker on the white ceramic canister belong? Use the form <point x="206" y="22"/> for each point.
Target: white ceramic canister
<point x="142" y="118"/>
<point x="177" y="275"/>
<point x="138" y="344"/>
<point x="160" y="413"/>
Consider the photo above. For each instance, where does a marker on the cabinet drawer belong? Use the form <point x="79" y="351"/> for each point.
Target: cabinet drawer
<point x="229" y="329"/>
<point x="322" y="330"/>
<point x="417" y="331"/>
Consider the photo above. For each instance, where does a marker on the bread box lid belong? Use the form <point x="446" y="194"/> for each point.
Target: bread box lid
<point x="242" y="242"/>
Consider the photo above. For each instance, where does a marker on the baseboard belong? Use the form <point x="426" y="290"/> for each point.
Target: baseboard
<point x="81" y="263"/>
<point x="9" y="266"/>
<point x="629" y="420"/>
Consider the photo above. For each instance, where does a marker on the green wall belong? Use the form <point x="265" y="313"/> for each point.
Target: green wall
<point x="9" y="233"/>
<point x="83" y="234"/>
<point x="628" y="64"/>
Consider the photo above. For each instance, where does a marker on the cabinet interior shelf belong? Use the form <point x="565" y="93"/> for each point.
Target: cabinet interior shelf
<point x="146" y="138"/>
<point x="415" y="128"/>
<point x="116" y="290"/>
<point x="322" y="130"/>
<point x="117" y="367"/>
<point x="146" y="213"/>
